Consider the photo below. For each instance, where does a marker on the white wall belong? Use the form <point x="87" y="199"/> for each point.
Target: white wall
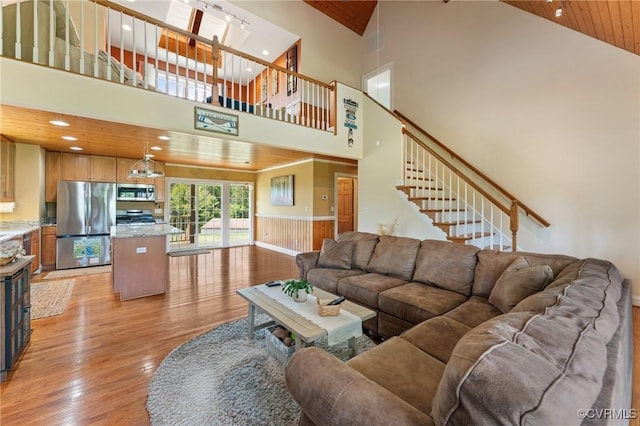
<point x="329" y="50"/>
<point x="379" y="171"/>
<point x="551" y="114"/>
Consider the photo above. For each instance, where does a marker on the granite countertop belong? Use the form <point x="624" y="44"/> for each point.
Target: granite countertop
<point x="12" y="229"/>
<point x="128" y="231"/>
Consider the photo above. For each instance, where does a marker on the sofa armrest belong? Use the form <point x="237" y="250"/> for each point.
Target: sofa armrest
<point x="332" y="393"/>
<point x="306" y="262"/>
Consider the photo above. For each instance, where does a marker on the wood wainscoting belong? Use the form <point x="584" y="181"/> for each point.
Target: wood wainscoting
<point x="294" y="233"/>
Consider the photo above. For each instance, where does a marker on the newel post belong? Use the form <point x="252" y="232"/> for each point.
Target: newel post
<point x="513" y="216"/>
<point x="215" y="53"/>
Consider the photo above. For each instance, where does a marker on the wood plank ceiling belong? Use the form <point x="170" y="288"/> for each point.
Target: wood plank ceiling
<point x="616" y="22"/>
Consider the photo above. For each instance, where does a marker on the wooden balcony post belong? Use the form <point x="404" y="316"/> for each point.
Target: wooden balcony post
<point x="513" y="215"/>
<point x="215" y="52"/>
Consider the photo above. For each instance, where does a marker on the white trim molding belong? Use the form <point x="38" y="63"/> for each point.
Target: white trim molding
<point x="276" y="248"/>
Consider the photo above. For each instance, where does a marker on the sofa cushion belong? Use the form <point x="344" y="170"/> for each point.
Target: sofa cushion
<point x="519" y="281"/>
<point x="394" y="256"/>
<point x="335" y="255"/>
<point x="416" y="302"/>
<point x="474" y="311"/>
<point x="436" y="336"/>
<point x="327" y="279"/>
<point x="60" y="12"/>
<point x="559" y="353"/>
<point x="446" y="265"/>
<point x="364" y="243"/>
<point x="402" y="363"/>
<point x="365" y="288"/>
<point x="492" y="263"/>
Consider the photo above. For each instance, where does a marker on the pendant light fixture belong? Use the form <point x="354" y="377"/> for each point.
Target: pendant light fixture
<point x="145" y="168"/>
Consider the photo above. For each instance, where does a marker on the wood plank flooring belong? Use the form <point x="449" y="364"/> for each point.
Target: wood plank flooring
<point x="92" y="365"/>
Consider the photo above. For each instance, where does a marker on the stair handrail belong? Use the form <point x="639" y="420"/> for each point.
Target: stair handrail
<point x="529" y="211"/>
<point x="511" y="211"/>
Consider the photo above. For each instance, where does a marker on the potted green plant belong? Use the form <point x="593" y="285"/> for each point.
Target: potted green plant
<point x="293" y="288"/>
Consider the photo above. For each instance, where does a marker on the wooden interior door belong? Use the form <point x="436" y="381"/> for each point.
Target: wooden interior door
<point x="345" y="204"/>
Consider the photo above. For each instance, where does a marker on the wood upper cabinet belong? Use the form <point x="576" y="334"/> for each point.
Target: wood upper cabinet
<point x="103" y="169"/>
<point x="160" y="186"/>
<point x="76" y="166"/>
<point x="88" y="167"/>
<point x="7" y="169"/>
<point x="52" y="174"/>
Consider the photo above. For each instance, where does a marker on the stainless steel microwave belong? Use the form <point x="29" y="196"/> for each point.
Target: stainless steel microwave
<point x="135" y="192"/>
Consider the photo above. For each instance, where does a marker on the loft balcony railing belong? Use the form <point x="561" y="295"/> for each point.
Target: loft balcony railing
<point x="156" y="56"/>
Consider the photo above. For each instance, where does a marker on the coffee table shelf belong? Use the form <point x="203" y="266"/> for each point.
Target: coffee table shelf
<point x="306" y="331"/>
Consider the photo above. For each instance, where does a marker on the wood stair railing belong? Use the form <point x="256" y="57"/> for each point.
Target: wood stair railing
<point x="460" y="200"/>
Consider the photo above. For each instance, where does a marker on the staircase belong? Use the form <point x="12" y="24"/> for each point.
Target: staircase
<point x="447" y="211"/>
<point x="459" y="199"/>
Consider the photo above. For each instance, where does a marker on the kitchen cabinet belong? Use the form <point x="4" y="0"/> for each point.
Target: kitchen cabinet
<point x="15" y="312"/>
<point x="48" y="247"/>
<point x="52" y="174"/>
<point x="103" y="169"/>
<point x="35" y="250"/>
<point x="76" y="166"/>
<point x="7" y="169"/>
<point x="93" y="168"/>
<point x="160" y="186"/>
<point x="129" y="253"/>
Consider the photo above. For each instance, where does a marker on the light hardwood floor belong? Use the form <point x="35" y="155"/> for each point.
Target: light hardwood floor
<point x="92" y="364"/>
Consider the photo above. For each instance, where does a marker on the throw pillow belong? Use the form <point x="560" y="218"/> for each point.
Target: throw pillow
<point x="519" y="281"/>
<point x="335" y="255"/>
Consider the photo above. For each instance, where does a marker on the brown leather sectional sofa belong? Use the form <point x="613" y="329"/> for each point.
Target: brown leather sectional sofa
<point x="473" y="336"/>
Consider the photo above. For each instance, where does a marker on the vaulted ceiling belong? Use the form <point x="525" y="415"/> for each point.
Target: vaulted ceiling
<point x="616" y="22"/>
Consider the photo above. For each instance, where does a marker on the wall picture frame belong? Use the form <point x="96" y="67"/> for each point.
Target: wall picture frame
<point x="215" y="121"/>
<point x="282" y="190"/>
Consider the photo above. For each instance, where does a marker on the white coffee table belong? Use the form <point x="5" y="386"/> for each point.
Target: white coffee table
<point x="306" y="331"/>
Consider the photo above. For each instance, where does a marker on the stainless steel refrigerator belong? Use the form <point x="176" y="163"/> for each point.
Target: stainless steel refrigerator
<point x="85" y="213"/>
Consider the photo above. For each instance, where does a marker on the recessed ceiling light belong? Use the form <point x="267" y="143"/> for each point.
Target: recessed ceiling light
<point x="265" y="52"/>
<point x="126" y="27"/>
<point x="156" y="148"/>
<point x="69" y="138"/>
<point x="149" y="155"/>
<point x="164" y="138"/>
<point x="59" y="123"/>
<point x="75" y="148"/>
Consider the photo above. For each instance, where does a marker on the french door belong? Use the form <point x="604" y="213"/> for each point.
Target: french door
<point x="210" y="214"/>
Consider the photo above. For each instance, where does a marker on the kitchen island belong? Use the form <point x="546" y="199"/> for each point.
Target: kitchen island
<point x="139" y="258"/>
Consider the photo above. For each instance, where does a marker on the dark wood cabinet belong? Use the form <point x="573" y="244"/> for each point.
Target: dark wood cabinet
<point x="15" y="312"/>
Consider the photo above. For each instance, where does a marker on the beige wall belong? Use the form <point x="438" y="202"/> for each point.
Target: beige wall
<point x="302" y="190"/>
<point x="324" y="182"/>
<point x="29" y="192"/>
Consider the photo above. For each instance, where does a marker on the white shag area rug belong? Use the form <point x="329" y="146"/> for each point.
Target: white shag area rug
<point x="223" y="378"/>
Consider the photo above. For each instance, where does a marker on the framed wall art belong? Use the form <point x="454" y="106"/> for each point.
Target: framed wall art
<point x="282" y="190"/>
<point x="214" y="121"/>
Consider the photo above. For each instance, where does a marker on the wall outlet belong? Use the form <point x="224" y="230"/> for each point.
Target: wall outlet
<point x="157" y="211"/>
<point x="141" y="250"/>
